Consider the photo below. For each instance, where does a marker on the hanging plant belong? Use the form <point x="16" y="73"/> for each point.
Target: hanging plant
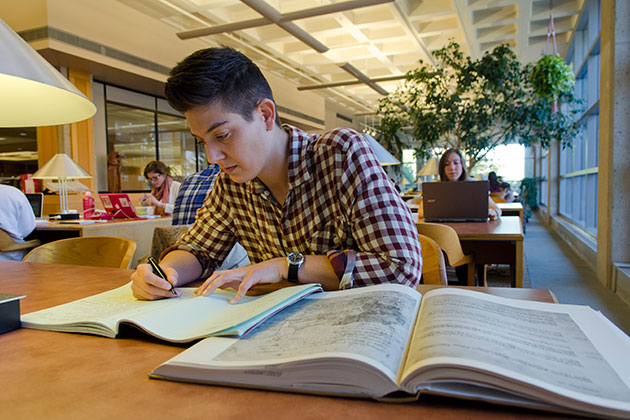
<point x="552" y="78"/>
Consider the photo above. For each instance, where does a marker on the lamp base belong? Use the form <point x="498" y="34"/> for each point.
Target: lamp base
<point x="64" y="216"/>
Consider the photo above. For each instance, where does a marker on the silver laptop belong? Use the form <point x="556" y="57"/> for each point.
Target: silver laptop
<point x="460" y="201"/>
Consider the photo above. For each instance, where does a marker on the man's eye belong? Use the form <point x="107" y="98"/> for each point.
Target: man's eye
<point x="221" y="136"/>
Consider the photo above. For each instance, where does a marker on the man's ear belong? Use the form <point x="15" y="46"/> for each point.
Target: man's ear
<point x="268" y="110"/>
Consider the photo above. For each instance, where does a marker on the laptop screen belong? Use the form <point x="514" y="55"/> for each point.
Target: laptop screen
<point x="119" y="205"/>
<point x="460" y="201"/>
<point x="36" y="201"/>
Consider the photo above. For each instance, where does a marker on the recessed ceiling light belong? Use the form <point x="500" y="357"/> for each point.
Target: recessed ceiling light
<point x="23" y="133"/>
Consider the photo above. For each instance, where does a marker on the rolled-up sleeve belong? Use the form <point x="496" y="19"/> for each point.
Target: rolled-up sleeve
<point x="381" y="223"/>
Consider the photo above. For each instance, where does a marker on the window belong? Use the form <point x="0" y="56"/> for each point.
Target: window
<point x="177" y="147"/>
<point x="143" y="128"/>
<point x="18" y="153"/>
<point x="578" y="165"/>
<point x="544" y="183"/>
<point x="131" y="132"/>
<point x="409" y="165"/>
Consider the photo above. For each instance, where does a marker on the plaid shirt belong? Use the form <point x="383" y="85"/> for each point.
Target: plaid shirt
<point x="193" y="191"/>
<point x="339" y="199"/>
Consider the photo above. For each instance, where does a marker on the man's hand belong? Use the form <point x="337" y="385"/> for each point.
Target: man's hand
<point x="148" y="286"/>
<point x="243" y="278"/>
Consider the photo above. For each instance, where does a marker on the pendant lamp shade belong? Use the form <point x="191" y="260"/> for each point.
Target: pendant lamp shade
<point x="383" y="156"/>
<point x="33" y="92"/>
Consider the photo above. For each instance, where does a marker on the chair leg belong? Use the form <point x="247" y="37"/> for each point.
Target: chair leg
<point x="471" y="274"/>
<point x="482" y="274"/>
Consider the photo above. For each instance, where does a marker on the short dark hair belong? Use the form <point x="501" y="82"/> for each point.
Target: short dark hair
<point x="157" y="167"/>
<point x="217" y="75"/>
<point x="442" y="165"/>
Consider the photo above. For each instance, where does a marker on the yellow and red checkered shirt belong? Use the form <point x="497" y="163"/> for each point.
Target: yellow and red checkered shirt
<point x="340" y="198"/>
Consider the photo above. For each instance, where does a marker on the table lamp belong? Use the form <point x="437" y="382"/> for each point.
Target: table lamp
<point x="383" y="156"/>
<point x="429" y="169"/>
<point x="33" y="92"/>
<point x="61" y="167"/>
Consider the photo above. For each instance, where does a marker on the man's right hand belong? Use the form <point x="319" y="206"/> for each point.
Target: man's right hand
<point x="149" y="286"/>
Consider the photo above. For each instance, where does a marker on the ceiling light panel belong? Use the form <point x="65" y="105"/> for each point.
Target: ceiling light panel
<point x="379" y="40"/>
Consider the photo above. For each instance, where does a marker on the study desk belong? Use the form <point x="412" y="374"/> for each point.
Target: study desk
<point x="512" y="209"/>
<point x="55" y="375"/>
<point x="497" y="241"/>
<point x="140" y="230"/>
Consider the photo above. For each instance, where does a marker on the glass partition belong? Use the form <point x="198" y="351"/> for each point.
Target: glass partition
<point x="131" y="132"/>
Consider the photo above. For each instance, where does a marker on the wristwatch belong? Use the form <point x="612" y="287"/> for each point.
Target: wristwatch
<point x="295" y="260"/>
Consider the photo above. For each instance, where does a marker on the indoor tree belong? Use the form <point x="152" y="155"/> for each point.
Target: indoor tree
<point x="476" y="105"/>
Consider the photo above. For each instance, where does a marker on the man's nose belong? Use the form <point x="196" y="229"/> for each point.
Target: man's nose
<point x="214" y="154"/>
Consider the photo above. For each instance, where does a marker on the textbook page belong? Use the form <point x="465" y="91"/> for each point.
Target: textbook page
<point x="181" y="319"/>
<point x="311" y="345"/>
<point x="534" y="349"/>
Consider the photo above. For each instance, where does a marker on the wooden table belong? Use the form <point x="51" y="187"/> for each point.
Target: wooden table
<point x="73" y="376"/>
<point x="140" y="230"/>
<point x="512" y="209"/>
<point x="493" y="242"/>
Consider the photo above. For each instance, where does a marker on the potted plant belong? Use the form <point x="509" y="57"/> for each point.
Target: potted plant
<point x="552" y="78"/>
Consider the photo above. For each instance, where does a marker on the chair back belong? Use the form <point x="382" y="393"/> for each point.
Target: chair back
<point x="497" y="197"/>
<point x="99" y="251"/>
<point x="165" y="236"/>
<point x="447" y="239"/>
<point x="8" y="244"/>
<point x="433" y="264"/>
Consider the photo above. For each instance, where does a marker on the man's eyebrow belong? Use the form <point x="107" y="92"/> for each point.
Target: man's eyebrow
<point x="212" y="127"/>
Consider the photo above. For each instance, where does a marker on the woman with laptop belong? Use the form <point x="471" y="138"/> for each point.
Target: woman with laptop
<point x="165" y="188"/>
<point x="451" y="168"/>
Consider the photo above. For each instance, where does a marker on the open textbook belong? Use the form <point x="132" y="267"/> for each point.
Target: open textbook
<point x="389" y="342"/>
<point x="178" y="320"/>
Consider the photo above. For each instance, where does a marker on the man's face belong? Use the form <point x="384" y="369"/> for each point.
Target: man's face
<point x="233" y="143"/>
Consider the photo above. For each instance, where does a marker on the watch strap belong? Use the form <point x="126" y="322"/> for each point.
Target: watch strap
<point x="292" y="275"/>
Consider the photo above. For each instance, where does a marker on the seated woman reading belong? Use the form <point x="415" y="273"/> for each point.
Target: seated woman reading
<point x="499" y="188"/>
<point x="451" y="168"/>
<point x="164" y="191"/>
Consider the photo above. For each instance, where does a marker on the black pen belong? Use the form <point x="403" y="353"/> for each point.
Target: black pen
<point x="158" y="270"/>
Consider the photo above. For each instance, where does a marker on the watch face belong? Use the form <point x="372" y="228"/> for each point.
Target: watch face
<point x="295" y="258"/>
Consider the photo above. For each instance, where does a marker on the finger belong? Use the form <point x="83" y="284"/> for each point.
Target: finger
<point x="214" y="282"/>
<point x="248" y="281"/>
<point x="146" y="271"/>
<point x="147" y="285"/>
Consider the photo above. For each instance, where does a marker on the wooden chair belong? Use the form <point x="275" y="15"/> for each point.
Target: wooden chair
<point x="8" y="244"/>
<point x="99" y="251"/>
<point x="447" y="240"/>
<point x="433" y="264"/>
<point x="497" y="197"/>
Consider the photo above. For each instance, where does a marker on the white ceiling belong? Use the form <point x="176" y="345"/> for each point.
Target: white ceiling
<point x="380" y="41"/>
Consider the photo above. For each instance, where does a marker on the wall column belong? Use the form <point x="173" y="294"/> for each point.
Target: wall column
<point x="613" y="201"/>
<point x="47" y="143"/>
<point x="82" y="133"/>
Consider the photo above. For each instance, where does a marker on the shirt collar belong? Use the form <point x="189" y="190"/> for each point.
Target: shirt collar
<point x="299" y="142"/>
<point x="298" y="163"/>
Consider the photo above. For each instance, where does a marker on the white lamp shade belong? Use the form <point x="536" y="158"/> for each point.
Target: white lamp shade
<point x="383" y="156"/>
<point x="33" y="92"/>
<point x="429" y="168"/>
<point x="61" y="166"/>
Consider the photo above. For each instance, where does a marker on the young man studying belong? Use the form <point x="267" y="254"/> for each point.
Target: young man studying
<point x="306" y="208"/>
